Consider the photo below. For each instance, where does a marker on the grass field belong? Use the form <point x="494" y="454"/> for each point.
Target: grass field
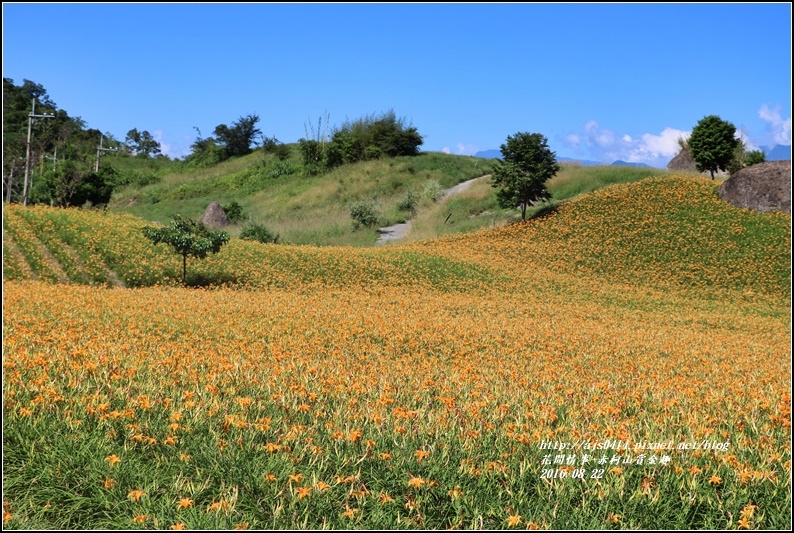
<point x="622" y="361"/>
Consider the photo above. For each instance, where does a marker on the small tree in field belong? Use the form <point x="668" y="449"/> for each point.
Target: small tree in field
<point x="188" y="237"/>
<point x="713" y="144"/>
<point x="527" y="163"/>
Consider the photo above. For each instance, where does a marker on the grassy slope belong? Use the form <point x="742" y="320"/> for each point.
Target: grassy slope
<point x="302" y="209"/>
<point x="314" y="209"/>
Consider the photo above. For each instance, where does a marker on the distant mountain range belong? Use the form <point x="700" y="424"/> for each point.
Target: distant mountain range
<point x="778" y="152"/>
<point x="497" y="154"/>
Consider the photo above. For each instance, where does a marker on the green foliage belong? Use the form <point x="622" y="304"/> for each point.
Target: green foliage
<point x="204" y="153"/>
<point x="713" y="144"/>
<point x="311" y="155"/>
<point x="280" y="168"/>
<point x="237" y="139"/>
<point x="754" y="157"/>
<point x="187" y="237"/>
<point x="74" y="184"/>
<point x="409" y="203"/>
<point x="234" y="211"/>
<point x="258" y="232"/>
<point x="142" y="143"/>
<point x="373" y="137"/>
<point x="432" y="190"/>
<point x="364" y="213"/>
<point x="271" y="145"/>
<point x="66" y="135"/>
<point x="522" y="174"/>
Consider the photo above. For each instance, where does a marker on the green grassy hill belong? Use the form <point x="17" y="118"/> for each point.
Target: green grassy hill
<point x="315" y="209"/>
<point x="302" y="209"/>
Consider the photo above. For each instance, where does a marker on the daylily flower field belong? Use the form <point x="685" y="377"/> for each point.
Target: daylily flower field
<point x="622" y="362"/>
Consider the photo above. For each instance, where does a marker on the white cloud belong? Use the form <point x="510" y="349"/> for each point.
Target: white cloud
<point x="780" y="127"/>
<point x="466" y="149"/>
<point x="608" y="146"/>
<point x="446" y="150"/>
<point x="165" y="148"/>
<point x="171" y="150"/>
<point x="749" y="145"/>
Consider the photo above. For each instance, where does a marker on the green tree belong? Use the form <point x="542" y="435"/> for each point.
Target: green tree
<point x="713" y="144"/>
<point x="754" y="157"/>
<point x="527" y="163"/>
<point x="142" y="143"/>
<point x="237" y="139"/>
<point x="188" y="237"/>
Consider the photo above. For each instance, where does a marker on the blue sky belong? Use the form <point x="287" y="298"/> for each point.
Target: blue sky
<point x="600" y="81"/>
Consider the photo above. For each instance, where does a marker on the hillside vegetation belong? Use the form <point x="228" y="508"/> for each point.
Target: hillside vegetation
<point x="315" y="209"/>
<point x="644" y="325"/>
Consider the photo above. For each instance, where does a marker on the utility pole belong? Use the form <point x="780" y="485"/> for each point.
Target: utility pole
<point x="31" y="116"/>
<point x="99" y="151"/>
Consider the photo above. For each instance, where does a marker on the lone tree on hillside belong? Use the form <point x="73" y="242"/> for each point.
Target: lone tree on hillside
<point x="188" y="237"/>
<point x="527" y="163"/>
<point x="713" y="144"/>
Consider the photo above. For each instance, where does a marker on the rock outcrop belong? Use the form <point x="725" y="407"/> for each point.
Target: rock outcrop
<point x="762" y="187"/>
<point x="214" y="216"/>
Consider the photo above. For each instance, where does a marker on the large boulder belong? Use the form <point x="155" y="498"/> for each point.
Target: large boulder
<point x="214" y="216"/>
<point x="683" y="161"/>
<point x="762" y="187"/>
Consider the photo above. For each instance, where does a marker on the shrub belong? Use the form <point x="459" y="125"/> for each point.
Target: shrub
<point x="280" y="168"/>
<point x="432" y="191"/>
<point x="754" y="157"/>
<point x="408" y="203"/>
<point x="364" y="213"/>
<point x="258" y="232"/>
<point x="234" y="211"/>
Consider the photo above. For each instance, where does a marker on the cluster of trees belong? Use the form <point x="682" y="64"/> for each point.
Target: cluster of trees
<point x="714" y="147"/>
<point x="227" y="141"/>
<point x="369" y="137"/>
<point x="63" y="167"/>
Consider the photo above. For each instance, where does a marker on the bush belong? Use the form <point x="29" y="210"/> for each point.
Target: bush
<point x="364" y="213"/>
<point x="408" y="203"/>
<point x="312" y="156"/>
<point x="271" y="145"/>
<point x="258" y="232"/>
<point x="280" y="168"/>
<point x="754" y="157"/>
<point x="234" y="211"/>
<point x="283" y="152"/>
<point x="432" y="191"/>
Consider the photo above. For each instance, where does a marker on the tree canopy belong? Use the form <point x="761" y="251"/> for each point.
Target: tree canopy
<point x="713" y="144"/>
<point x="237" y="139"/>
<point x="142" y="143"/>
<point x="521" y="175"/>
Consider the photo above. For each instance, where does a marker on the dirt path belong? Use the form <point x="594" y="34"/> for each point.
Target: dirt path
<point x="398" y="231"/>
